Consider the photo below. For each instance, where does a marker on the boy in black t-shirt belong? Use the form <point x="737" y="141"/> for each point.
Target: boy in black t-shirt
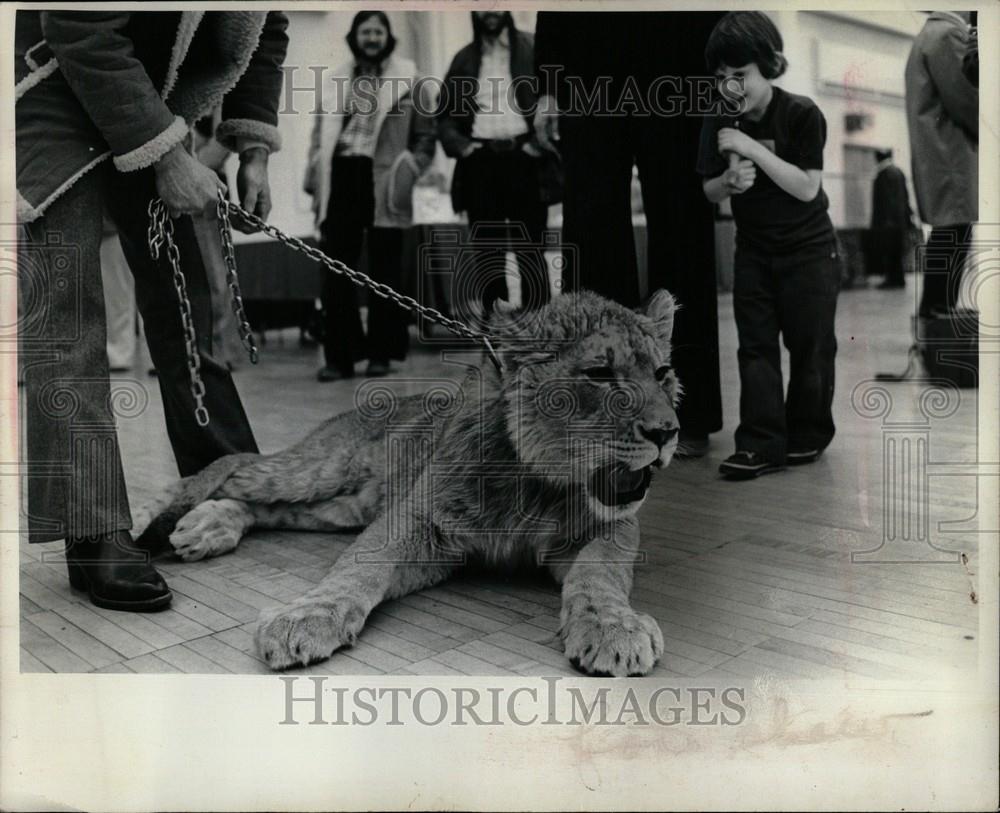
<point x="787" y="274"/>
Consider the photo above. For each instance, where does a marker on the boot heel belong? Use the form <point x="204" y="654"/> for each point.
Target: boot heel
<point x="78" y="578"/>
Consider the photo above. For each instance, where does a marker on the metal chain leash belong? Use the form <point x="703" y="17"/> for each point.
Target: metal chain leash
<point x="161" y="233"/>
<point x="358" y="278"/>
<point x="229" y="254"/>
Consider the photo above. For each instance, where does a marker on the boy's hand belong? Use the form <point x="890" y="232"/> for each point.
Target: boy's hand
<point x="739" y="179"/>
<point x="732" y="140"/>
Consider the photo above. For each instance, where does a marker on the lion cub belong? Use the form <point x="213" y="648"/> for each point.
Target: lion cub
<point x="548" y="460"/>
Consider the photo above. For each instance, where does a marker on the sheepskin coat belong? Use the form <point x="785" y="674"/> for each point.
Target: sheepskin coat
<point x="127" y="86"/>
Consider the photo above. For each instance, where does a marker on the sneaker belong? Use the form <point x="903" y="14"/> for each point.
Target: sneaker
<point x="691" y="447"/>
<point x="747" y="465"/>
<point x="799" y="457"/>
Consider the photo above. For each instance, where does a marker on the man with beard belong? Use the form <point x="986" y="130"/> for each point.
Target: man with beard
<point x="625" y="85"/>
<point x="485" y="121"/>
<point x="364" y="159"/>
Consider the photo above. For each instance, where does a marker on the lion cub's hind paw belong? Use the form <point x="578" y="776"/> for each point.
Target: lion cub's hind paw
<point x="210" y="529"/>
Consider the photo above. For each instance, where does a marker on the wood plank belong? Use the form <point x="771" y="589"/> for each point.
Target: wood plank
<point x="417" y="617"/>
<point x="114" y="669"/>
<point x="373" y="656"/>
<point x="468" y="664"/>
<point x="211" y="598"/>
<point x="42" y="595"/>
<point x="824" y="656"/>
<point x="431" y="666"/>
<point x="41" y="646"/>
<point x="201" y="614"/>
<point x="409" y="632"/>
<point x="151" y="665"/>
<point x="75" y="640"/>
<point x="450" y="612"/>
<point x="498" y="656"/>
<point x="31" y="664"/>
<point x="229" y="658"/>
<point x="105" y="630"/>
<point x="532" y="651"/>
<point x="189" y="662"/>
<point x="388" y="642"/>
<point x="473" y="605"/>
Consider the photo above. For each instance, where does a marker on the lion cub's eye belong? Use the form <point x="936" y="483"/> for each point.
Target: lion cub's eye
<point x="662" y="372"/>
<point x="602" y="375"/>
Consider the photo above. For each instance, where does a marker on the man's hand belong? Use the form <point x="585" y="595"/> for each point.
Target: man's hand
<point x="185" y="185"/>
<point x="471" y="148"/>
<point x="253" y="187"/>
<point x="739" y="179"/>
<point x="733" y="140"/>
<point x="547" y="123"/>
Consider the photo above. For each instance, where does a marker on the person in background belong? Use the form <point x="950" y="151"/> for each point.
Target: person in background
<point x="787" y="275"/>
<point x="485" y="121"/>
<point x="119" y="301"/>
<point x="942" y="112"/>
<point x="364" y="160"/>
<point x="104" y="105"/>
<point x="660" y="56"/>
<point x="891" y="217"/>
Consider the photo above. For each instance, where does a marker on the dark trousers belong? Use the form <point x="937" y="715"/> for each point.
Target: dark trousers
<point x="794" y="295"/>
<point x="944" y="266"/>
<point x="75" y="481"/>
<point x="598" y="155"/>
<point x="350" y="214"/>
<point x="504" y="213"/>
<point x="885" y="257"/>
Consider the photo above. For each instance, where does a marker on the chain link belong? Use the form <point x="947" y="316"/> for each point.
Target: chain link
<point x="358" y="278"/>
<point x="160" y="235"/>
<point x="229" y="254"/>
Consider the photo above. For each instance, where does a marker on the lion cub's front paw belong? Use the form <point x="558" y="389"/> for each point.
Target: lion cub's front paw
<point x="304" y="633"/>
<point x="615" y="642"/>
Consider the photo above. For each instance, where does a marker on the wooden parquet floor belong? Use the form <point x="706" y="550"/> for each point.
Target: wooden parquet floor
<point x="746" y="579"/>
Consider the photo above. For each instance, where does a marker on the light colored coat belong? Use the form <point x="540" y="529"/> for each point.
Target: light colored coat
<point x="942" y="111"/>
<point x="404" y="143"/>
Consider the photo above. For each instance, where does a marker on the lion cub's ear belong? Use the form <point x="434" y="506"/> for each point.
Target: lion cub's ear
<point x="660" y="309"/>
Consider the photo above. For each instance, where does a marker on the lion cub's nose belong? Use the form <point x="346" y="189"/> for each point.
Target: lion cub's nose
<point x="658" y="435"/>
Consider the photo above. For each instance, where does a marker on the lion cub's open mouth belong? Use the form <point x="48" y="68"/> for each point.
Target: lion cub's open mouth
<point x="616" y="484"/>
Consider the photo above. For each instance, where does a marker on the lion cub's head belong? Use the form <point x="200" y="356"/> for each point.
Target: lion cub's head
<point x="590" y="394"/>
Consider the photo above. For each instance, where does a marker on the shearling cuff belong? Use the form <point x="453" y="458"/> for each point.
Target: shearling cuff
<point x="153" y="150"/>
<point x="231" y="129"/>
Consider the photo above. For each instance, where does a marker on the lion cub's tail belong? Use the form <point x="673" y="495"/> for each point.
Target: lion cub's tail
<point x="185" y="495"/>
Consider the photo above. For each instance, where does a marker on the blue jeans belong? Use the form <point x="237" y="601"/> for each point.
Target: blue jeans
<point x="74" y="474"/>
<point x="794" y="295"/>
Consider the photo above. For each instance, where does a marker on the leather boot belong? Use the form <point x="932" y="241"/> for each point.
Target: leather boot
<point x="115" y="574"/>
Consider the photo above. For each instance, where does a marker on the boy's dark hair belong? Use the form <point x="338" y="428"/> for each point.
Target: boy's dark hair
<point x="742" y="37"/>
<point x="359" y="19"/>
